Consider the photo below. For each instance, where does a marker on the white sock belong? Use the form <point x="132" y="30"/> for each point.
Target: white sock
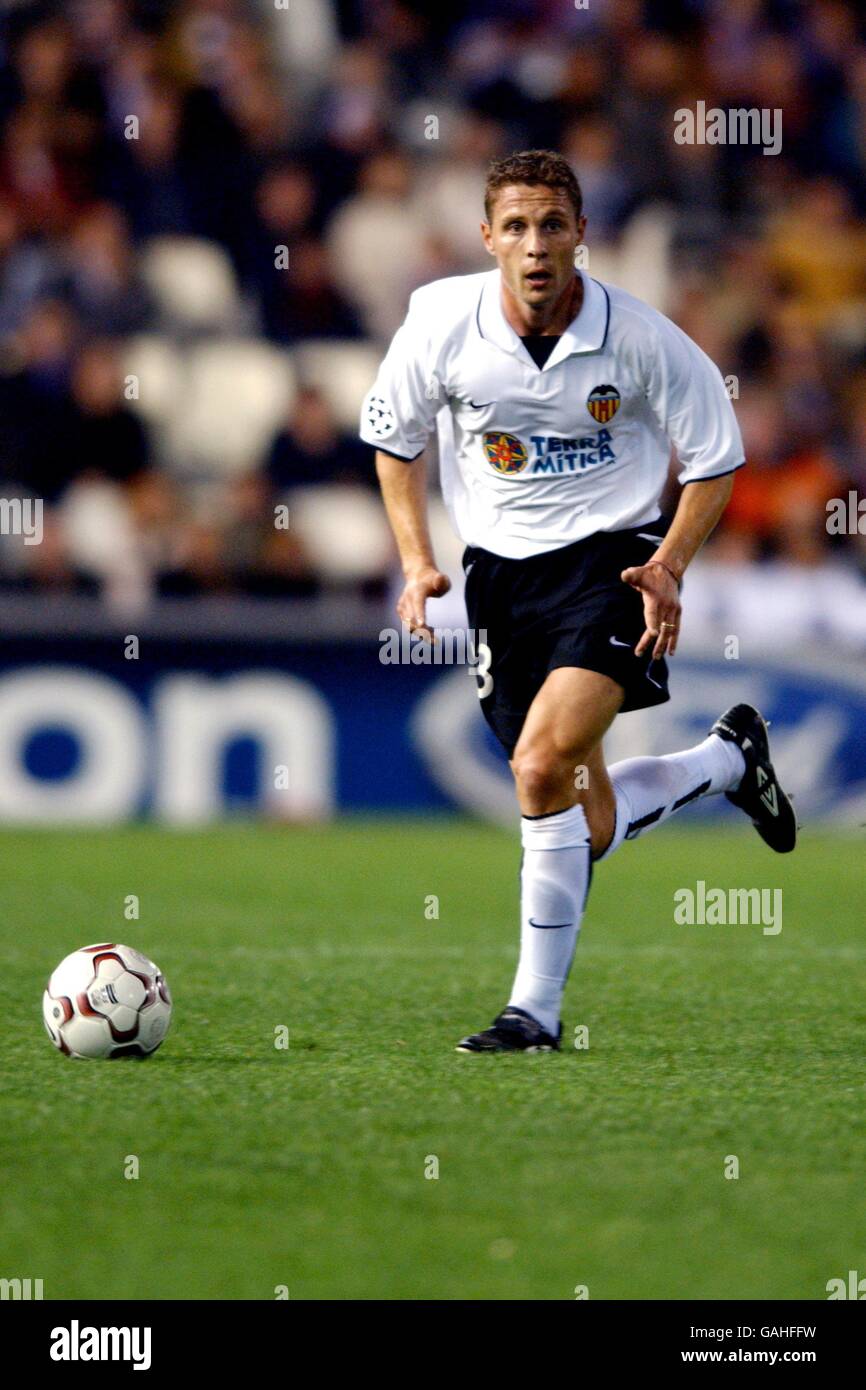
<point x="554" y="882"/>
<point x="648" y="790"/>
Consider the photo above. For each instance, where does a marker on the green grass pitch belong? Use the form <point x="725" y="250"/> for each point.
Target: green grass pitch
<point x="305" y="1167"/>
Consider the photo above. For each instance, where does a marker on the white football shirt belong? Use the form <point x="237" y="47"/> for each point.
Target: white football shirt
<point x="533" y="458"/>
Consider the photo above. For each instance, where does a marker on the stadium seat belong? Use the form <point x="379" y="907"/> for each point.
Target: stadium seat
<point x="343" y="372"/>
<point x="235" y="395"/>
<point x="640" y="263"/>
<point x="193" y="283"/>
<point x="343" y="530"/>
<point x="305" y="40"/>
<point x="101" y="541"/>
<point x="378" y="283"/>
<point x="157" y="366"/>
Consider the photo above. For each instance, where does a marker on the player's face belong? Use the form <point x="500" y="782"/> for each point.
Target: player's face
<point x="533" y="234"/>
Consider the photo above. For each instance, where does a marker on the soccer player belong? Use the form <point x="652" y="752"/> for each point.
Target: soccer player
<point x="556" y="400"/>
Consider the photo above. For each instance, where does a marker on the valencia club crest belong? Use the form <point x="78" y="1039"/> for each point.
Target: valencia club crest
<point x="603" y="403"/>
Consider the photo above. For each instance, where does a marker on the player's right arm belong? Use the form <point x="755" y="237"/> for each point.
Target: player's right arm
<point x="397" y="418"/>
<point x="404" y="492"/>
<point x="687" y="395"/>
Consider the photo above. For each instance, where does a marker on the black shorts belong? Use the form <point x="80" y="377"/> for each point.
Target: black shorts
<point x="567" y="607"/>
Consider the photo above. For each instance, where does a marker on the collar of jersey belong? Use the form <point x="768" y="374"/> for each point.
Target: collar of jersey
<point x="585" y="334"/>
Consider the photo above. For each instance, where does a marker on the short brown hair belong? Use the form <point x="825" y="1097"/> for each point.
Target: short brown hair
<point x="532" y="167"/>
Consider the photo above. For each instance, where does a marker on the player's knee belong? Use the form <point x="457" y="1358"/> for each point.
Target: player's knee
<point x="541" y="775"/>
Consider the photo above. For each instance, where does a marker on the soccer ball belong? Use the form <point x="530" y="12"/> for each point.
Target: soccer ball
<point x="106" y="1001"/>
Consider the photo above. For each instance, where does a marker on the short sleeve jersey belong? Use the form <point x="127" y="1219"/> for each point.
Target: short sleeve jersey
<point x="533" y="458"/>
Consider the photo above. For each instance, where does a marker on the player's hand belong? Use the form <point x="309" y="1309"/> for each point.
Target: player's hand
<point x="661" y="608"/>
<point x="412" y="603"/>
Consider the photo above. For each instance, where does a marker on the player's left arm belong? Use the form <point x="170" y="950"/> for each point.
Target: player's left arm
<point x="700" y="506"/>
<point x="687" y="395"/>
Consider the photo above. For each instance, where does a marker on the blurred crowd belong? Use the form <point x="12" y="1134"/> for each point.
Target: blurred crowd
<point x="212" y="213"/>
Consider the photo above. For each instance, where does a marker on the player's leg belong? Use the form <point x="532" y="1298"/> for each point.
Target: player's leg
<point x="557" y="761"/>
<point x="575" y="811"/>
<point x="649" y="790"/>
<point x="568" y="805"/>
<point x="734" y="759"/>
<point x="568" y="812"/>
<point x="551" y="723"/>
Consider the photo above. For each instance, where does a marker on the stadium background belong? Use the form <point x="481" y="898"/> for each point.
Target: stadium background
<point x="211" y="215"/>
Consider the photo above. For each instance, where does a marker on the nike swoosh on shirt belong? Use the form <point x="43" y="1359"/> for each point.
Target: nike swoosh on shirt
<point x="482" y="406"/>
<point x="615" y="642"/>
<point x="548" y="926"/>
